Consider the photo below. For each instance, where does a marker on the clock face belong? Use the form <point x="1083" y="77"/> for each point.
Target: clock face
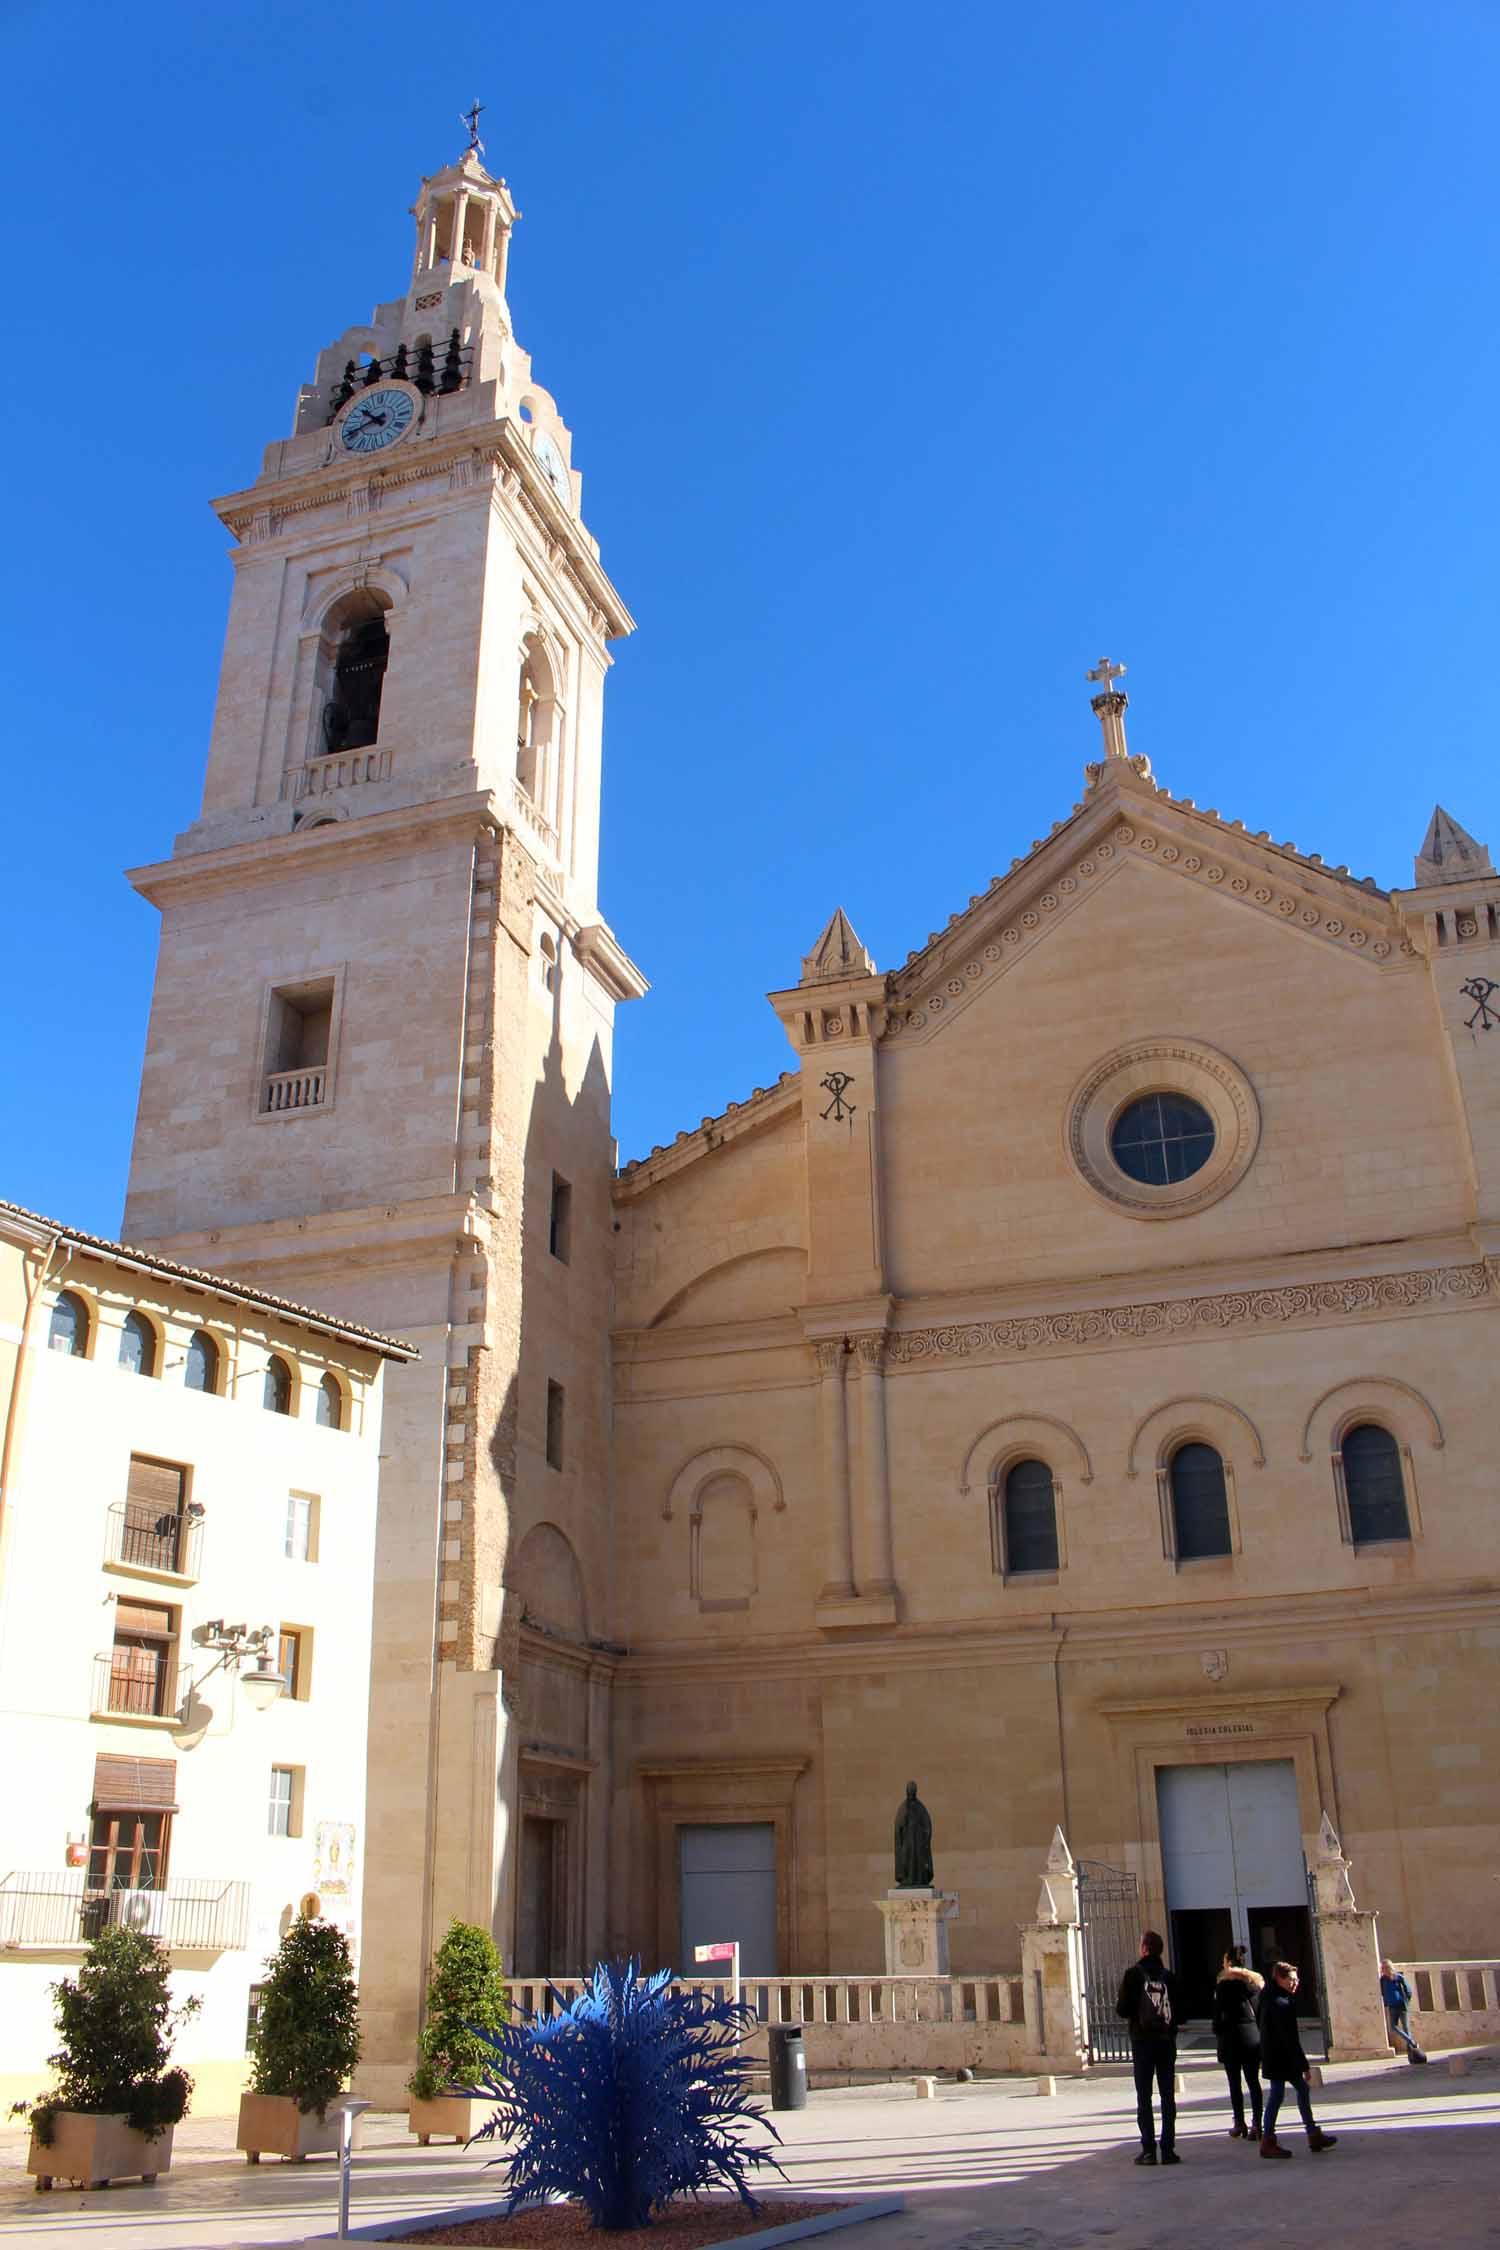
<point x="552" y="465"/>
<point x="375" y="420"/>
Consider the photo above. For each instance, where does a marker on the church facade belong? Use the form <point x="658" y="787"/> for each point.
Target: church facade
<point x="1067" y="1386"/>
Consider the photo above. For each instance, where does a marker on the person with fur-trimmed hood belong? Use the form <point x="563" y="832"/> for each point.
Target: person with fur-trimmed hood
<point x="1237" y="2039"/>
<point x="1284" y="2063"/>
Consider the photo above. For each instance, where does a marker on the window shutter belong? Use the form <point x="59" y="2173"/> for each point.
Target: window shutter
<point x="135" y="1784"/>
<point x="143" y="1617"/>
<point x="155" y="1487"/>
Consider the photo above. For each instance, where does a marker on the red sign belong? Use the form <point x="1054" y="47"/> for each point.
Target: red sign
<point x="713" y="1952"/>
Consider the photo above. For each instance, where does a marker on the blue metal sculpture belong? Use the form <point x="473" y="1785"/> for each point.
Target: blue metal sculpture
<point x="630" y="2095"/>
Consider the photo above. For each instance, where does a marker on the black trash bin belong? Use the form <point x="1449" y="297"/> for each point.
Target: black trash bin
<point x="788" y="2066"/>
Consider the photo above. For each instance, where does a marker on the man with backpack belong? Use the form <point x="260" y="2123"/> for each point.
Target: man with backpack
<point x="1148" y="2002"/>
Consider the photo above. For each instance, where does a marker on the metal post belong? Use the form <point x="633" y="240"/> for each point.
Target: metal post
<point x="349" y="2109"/>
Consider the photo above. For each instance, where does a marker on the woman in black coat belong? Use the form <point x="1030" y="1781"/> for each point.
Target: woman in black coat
<point x="1237" y="2038"/>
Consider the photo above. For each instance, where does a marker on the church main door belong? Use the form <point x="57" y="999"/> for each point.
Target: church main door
<point x="729" y="1891"/>
<point x="1232" y="1855"/>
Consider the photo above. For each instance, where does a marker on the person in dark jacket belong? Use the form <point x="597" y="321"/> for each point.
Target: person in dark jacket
<point x="1237" y="2039"/>
<point x="1283" y="2063"/>
<point x="1148" y="2002"/>
<point x="1395" y="1994"/>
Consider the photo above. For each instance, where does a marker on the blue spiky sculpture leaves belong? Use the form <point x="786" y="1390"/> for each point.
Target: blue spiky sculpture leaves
<point x="631" y="2095"/>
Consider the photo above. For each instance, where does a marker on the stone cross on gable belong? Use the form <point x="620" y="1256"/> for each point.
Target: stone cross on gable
<point x="1110" y="704"/>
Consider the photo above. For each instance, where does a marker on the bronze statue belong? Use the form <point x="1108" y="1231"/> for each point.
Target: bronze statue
<point x="913" y="1843"/>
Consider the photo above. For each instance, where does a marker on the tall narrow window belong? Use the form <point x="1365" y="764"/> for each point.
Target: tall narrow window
<point x="1029" y="1519"/>
<point x="1373" y="1488"/>
<point x="284" y="1810"/>
<point x="294" y="1661"/>
<point x="156" y="1528"/>
<point x="138" y="1345"/>
<point x="351" y="715"/>
<point x="539" y="722"/>
<point x="202" y="1370"/>
<point x="554" y="1425"/>
<point x="560" y="1219"/>
<point x="1200" y="1503"/>
<point x="276" y="1390"/>
<point x="301" y="1539"/>
<point x="128" y="1849"/>
<point x="69" y="1330"/>
<point x="330" y="1404"/>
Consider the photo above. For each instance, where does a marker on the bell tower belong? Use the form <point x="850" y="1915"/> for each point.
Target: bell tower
<point x="378" y="1065"/>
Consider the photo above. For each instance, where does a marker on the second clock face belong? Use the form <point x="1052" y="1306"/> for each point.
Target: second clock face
<point x="375" y="420"/>
<point x="554" y="468"/>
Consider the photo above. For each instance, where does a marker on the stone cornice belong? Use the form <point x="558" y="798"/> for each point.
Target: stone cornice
<point x="1162" y="1320"/>
<point x="1255" y="1621"/>
<point x="260" y="512"/>
<point x="201" y="874"/>
<point x="766" y="1104"/>
<point x="1085" y="852"/>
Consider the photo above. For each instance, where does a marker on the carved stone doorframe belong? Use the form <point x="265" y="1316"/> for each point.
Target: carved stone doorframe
<point x="1256" y="1725"/>
<point x="554" y="1787"/>
<point x="718" y="1792"/>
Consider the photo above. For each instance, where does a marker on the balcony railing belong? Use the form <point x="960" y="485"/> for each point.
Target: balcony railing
<point x="202" y="1914"/>
<point x="293" y="1089"/>
<point x="152" y="1539"/>
<point x="536" y="820"/>
<point x="125" y="1687"/>
<point x="345" y="769"/>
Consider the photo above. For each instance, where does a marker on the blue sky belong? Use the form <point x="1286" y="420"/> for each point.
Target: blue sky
<point x="912" y="358"/>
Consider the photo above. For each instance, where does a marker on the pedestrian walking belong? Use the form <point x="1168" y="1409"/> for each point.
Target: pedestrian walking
<point x="1396" y="1994"/>
<point x="1284" y="2064"/>
<point x="1148" y="2002"/>
<point x="1237" y="2039"/>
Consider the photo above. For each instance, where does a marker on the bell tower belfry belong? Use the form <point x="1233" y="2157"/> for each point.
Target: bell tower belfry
<point x="377" y="1074"/>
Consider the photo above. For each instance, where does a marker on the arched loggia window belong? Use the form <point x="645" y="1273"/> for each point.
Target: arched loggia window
<point x="276" y="1389"/>
<point x="1373" y="1486"/>
<point x="1200" y="1503"/>
<point x="1028" y="1519"/>
<point x="538" y="722"/>
<point x="351" y="713"/>
<point x="69" y="1331"/>
<point x="201" y="1372"/>
<point x="137" y="1345"/>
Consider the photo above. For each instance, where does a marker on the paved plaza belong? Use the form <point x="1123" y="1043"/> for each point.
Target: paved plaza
<point x="986" y="2167"/>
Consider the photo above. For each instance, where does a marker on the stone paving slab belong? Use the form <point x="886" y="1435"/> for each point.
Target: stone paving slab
<point x="985" y="2167"/>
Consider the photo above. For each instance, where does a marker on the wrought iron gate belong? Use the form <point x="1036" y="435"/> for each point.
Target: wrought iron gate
<point x="1109" y="1908"/>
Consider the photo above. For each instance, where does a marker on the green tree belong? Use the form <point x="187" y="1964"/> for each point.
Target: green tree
<point x="306" y="2039"/>
<point x="115" y="2023"/>
<point x="465" y="1996"/>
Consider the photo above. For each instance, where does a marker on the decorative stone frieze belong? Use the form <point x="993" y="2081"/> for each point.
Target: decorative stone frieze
<point x="1440" y="1286"/>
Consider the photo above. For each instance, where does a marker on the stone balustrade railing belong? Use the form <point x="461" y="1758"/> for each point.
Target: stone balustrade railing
<point x="1454" y="2003"/>
<point x="858" y="2024"/>
<point x="346" y="769"/>
<point x="536" y="820"/>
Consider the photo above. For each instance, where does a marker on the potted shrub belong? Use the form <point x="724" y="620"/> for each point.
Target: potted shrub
<point x="111" y="2112"/>
<point x="304" y="2047"/>
<point x="465" y="1996"/>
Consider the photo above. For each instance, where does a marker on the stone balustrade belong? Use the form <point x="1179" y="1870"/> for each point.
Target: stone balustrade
<point x="293" y="1089"/>
<point x="1454" y="2003"/>
<point x="859" y="2024"/>
<point x="536" y="821"/>
<point x="321" y="777"/>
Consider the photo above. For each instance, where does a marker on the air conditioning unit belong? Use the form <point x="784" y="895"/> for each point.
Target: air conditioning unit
<point x="145" y="1911"/>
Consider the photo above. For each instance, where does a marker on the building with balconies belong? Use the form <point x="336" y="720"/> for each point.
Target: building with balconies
<point x="188" y="1491"/>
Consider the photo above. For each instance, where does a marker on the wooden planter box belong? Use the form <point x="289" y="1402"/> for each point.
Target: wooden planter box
<point x="273" y="2125"/>
<point x="450" y="2116"/>
<point x="95" y="2149"/>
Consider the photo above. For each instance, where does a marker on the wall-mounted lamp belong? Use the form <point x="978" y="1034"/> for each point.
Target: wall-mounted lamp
<point x="232" y="1644"/>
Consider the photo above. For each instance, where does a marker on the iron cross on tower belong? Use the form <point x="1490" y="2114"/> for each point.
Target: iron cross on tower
<point x="471" y="117"/>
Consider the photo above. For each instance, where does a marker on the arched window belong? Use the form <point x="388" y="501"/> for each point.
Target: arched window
<point x="1200" y="1503"/>
<point x="1028" y="1519"/>
<point x="351" y="714"/>
<point x="276" y="1392"/>
<point x="1374" y="1490"/>
<point x="538" y="723"/>
<point x="202" y="1373"/>
<point x="69" y="1331"/>
<point x="330" y="1404"/>
<point x="138" y="1345"/>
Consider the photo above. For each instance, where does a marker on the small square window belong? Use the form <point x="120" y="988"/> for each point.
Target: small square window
<point x="560" y="1219"/>
<point x="284" y="1805"/>
<point x="555" y="1425"/>
<point x="301" y="1527"/>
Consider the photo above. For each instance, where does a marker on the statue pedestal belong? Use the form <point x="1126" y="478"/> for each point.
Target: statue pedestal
<point x="916" y="1931"/>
